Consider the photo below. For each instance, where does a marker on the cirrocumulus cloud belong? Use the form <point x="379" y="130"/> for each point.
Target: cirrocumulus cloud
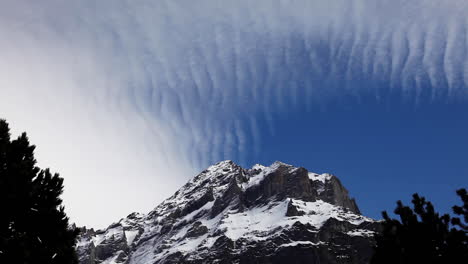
<point x="127" y="99"/>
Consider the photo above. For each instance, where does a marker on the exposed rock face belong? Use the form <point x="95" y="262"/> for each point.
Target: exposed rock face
<point x="331" y="190"/>
<point x="85" y="249"/>
<point x="227" y="214"/>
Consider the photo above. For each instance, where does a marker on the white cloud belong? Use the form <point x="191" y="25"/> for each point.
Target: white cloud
<point x="127" y="99"/>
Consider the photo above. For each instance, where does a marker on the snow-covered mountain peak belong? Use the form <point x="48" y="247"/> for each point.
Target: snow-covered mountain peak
<point x="258" y="167"/>
<point x="228" y="214"/>
<point x="273" y="166"/>
<point x="222" y="166"/>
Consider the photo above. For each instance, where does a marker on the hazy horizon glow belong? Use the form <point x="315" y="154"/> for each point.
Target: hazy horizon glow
<point x="129" y="99"/>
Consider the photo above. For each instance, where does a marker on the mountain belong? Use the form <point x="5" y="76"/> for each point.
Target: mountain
<point x="228" y="214"/>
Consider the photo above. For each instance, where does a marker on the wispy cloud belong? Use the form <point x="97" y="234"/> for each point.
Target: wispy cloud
<point x="130" y="98"/>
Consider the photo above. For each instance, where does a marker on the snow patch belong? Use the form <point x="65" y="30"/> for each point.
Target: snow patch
<point x="361" y="232"/>
<point x="116" y="233"/>
<point x="258" y="167"/>
<point x="209" y="241"/>
<point x="259" y="221"/>
<point x="264" y="171"/>
<point x="130" y="235"/>
<point x="205" y="207"/>
<point x="319" y="211"/>
<point x="320" y="177"/>
<point x="296" y="243"/>
<point x="254" y="221"/>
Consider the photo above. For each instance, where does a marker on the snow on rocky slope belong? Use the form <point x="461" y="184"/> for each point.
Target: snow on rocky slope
<point x="228" y="214"/>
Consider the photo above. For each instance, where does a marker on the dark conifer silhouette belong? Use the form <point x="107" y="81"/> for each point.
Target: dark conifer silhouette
<point x="461" y="211"/>
<point x="33" y="225"/>
<point x="422" y="235"/>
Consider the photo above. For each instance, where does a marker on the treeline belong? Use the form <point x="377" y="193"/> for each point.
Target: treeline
<point x="421" y="235"/>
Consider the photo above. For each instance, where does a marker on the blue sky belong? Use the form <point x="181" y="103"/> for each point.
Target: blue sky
<point x="382" y="150"/>
<point x="130" y="99"/>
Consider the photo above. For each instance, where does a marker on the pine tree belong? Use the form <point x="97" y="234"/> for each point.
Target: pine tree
<point x="461" y="211"/>
<point x="422" y="235"/>
<point x="33" y="225"/>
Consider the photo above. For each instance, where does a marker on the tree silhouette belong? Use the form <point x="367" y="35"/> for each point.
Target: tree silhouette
<point x="462" y="211"/>
<point x="33" y="225"/>
<point x="422" y="235"/>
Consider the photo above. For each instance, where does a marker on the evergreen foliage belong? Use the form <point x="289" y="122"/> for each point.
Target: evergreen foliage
<point x="423" y="236"/>
<point x="33" y="225"/>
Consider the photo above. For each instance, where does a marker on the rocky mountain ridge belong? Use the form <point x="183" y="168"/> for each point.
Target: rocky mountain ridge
<point x="228" y="214"/>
